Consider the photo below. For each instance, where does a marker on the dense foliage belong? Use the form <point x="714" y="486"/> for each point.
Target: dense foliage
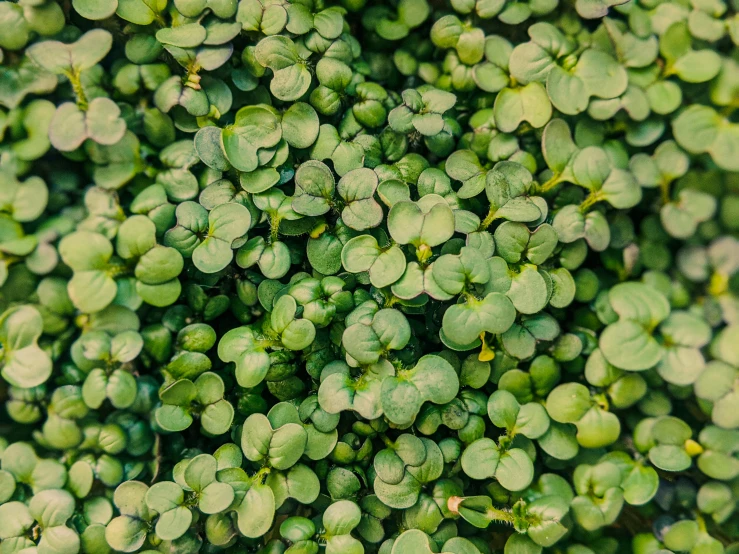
<point x="386" y="276"/>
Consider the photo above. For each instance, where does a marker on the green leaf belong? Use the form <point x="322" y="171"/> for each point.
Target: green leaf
<point x="362" y="253"/>
<point x="429" y="222"/>
<point x="412" y="540"/>
<point x="24" y="363"/>
<point x="515" y="470"/>
<point x="568" y="403"/>
<point x="432" y="379"/>
<point x="481" y="458"/>
<point x="58" y="57"/>
<point x="529" y="104"/>
<point x="669" y="458"/>
<point x="241" y="346"/>
<point x="598" y="428"/>
<point x="463" y="323"/>
<point x="628" y="346"/>
<point x="389" y="330"/>
<point x="300" y="125"/>
<point x="256" y="511"/>
<point x="357" y="188"/>
<point x="126" y="534"/>
<point x="188" y="35"/>
<point x="341" y="517"/>
<point x="101" y="122"/>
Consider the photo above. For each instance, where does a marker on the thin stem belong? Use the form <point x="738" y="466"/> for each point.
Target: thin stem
<point x="718" y="284"/>
<point x="488" y="221"/>
<point x="664" y="187"/>
<point x="79" y="91"/>
<point x="492" y="513"/>
<point x="116" y="270"/>
<point x="550" y="183"/>
<point x="486" y="354"/>
<point x="193" y="80"/>
<point x="500" y="515"/>
<point x="701" y="522"/>
<point x="261" y="475"/>
<point x="274" y="223"/>
<point x="592" y="199"/>
<point x="267" y="343"/>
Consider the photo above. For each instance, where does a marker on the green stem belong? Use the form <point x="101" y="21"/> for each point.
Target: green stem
<point x="664" y="187"/>
<point x="486" y="354"/>
<point x="701" y="522"/>
<point x="488" y="221"/>
<point x="79" y="92"/>
<point x="274" y="224"/>
<point x="389" y="443"/>
<point x="267" y="343"/>
<point x="492" y="513"/>
<point x="718" y="284"/>
<point x="193" y="79"/>
<point x="550" y="183"/>
<point x="261" y="475"/>
<point x="592" y="199"/>
<point x="117" y="270"/>
<point x="500" y="515"/>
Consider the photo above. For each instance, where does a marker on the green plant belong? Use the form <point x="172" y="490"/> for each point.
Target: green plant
<point x="395" y="277"/>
